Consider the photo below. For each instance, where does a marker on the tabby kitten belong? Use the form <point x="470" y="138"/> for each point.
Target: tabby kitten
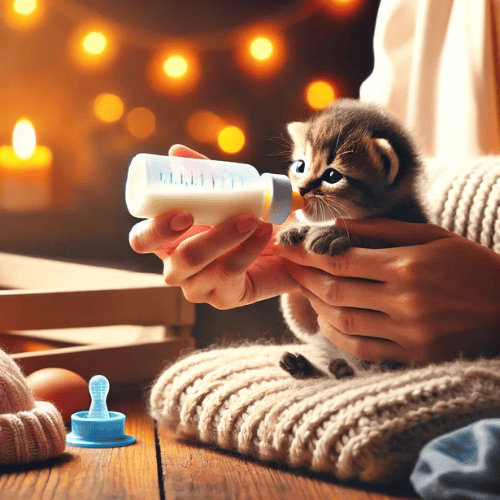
<point x="351" y="160"/>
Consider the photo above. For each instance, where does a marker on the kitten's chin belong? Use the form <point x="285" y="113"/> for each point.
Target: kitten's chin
<point x="303" y="216"/>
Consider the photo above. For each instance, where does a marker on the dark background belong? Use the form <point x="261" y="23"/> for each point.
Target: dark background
<point x="88" y="221"/>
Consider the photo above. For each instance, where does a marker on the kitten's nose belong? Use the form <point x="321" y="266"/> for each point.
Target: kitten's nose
<point x="304" y="191"/>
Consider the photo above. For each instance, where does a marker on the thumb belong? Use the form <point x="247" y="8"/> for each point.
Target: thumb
<point x="393" y="231"/>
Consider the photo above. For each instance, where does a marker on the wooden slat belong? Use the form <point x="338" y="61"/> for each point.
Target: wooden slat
<point x="127" y="364"/>
<point x="22" y="272"/>
<point x="196" y="472"/>
<point x="128" y="473"/>
<point x="32" y="310"/>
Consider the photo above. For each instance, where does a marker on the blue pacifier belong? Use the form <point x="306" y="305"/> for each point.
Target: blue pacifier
<point x="98" y="427"/>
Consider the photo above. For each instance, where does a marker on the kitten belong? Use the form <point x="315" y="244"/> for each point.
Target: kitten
<point x="351" y="160"/>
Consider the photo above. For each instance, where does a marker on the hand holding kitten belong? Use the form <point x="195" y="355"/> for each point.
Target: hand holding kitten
<point x="430" y="297"/>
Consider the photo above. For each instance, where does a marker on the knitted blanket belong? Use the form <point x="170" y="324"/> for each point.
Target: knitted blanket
<point x="371" y="427"/>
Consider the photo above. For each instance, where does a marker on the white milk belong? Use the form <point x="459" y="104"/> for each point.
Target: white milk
<point x="212" y="191"/>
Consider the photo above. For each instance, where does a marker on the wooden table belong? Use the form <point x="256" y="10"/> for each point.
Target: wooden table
<point x="158" y="467"/>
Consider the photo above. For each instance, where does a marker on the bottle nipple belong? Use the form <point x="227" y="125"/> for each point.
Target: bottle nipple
<point x="98" y="427"/>
<point x="98" y="388"/>
<point x="298" y="201"/>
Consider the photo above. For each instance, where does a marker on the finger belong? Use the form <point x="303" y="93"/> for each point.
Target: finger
<point x="150" y="234"/>
<point x="197" y="252"/>
<point x="395" y="232"/>
<point x="180" y="150"/>
<point x="365" y="348"/>
<point x="239" y="260"/>
<point x="355" y="321"/>
<point x="339" y="291"/>
<point x="365" y="263"/>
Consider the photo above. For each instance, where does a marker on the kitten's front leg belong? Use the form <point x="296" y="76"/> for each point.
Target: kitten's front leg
<point x="331" y="240"/>
<point x="293" y="235"/>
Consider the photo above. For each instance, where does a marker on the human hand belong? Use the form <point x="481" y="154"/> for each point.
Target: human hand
<point x="226" y="266"/>
<point x="431" y="297"/>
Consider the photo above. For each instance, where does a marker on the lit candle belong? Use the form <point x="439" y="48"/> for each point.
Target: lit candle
<point x="25" y="171"/>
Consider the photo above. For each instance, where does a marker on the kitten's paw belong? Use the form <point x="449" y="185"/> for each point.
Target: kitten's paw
<point x="327" y="240"/>
<point x="340" y="369"/>
<point x="293" y="235"/>
<point x="299" y="367"/>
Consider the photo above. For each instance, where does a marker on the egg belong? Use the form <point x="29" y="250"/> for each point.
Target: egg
<point x="65" y="389"/>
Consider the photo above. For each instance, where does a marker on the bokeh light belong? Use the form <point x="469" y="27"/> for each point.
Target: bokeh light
<point x="261" y="48"/>
<point x="24" y="138"/>
<point x="141" y="123"/>
<point x="173" y="71"/>
<point x="23" y="14"/>
<point x="319" y="94"/>
<point x="204" y="126"/>
<point x="94" y="43"/>
<point x="25" y="7"/>
<point x="108" y="107"/>
<point x="261" y="51"/>
<point x="231" y="139"/>
<point x="343" y="8"/>
<point x="93" y="46"/>
<point x="175" y="66"/>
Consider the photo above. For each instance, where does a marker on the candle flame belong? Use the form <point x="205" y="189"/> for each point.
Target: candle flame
<point x="24" y="139"/>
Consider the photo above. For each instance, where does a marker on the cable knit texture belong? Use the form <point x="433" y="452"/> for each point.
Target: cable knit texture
<point x="371" y="427"/>
<point x="30" y="431"/>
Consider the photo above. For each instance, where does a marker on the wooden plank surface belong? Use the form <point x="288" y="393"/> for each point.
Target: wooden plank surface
<point x="121" y="365"/>
<point x="128" y="473"/>
<point x="193" y="472"/>
<point x="189" y="472"/>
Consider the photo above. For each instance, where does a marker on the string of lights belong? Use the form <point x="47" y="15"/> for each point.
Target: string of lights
<point x="174" y="65"/>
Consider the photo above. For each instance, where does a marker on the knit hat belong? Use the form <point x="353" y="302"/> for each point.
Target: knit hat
<point x="30" y="431"/>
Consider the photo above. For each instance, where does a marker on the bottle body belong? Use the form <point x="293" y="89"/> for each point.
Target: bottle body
<point x="212" y="191"/>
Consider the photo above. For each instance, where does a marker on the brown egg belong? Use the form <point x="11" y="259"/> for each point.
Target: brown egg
<point x="65" y="389"/>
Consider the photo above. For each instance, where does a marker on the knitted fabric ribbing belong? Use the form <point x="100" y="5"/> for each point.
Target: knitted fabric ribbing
<point x="371" y="427"/>
<point x="465" y="198"/>
<point x="30" y="431"/>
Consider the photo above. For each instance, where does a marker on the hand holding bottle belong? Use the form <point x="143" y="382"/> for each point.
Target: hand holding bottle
<point x="226" y="265"/>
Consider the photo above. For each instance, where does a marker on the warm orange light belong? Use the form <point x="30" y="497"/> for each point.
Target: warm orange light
<point x="25" y="7"/>
<point x="108" y="107"/>
<point x="343" y="7"/>
<point x="141" y="123"/>
<point x="261" y="51"/>
<point x="231" y="139"/>
<point x="24" y="154"/>
<point x="94" y="43"/>
<point x="23" y="14"/>
<point x="204" y="126"/>
<point x="319" y="94"/>
<point x="175" y="66"/>
<point x="173" y="71"/>
<point x="261" y="48"/>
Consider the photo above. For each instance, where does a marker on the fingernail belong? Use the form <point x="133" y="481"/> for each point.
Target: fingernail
<point x="181" y="221"/>
<point x="246" y="223"/>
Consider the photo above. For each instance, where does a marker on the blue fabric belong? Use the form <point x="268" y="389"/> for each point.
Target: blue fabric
<point x="463" y="464"/>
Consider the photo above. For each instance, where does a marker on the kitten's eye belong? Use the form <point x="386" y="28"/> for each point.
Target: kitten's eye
<point x="298" y="166"/>
<point x="332" y="176"/>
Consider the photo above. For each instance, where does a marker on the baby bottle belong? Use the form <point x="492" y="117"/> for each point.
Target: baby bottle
<point x="211" y="191"/>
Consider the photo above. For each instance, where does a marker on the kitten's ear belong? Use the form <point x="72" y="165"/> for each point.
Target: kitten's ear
<point x="298" y="133"/>
<point x="390" y="160"/>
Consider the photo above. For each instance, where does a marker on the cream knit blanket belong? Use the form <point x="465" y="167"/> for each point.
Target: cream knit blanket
<point x="369" y="428"/>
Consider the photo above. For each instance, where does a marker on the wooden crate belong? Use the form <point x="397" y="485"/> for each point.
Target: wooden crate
<point x="76" y="308"/>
